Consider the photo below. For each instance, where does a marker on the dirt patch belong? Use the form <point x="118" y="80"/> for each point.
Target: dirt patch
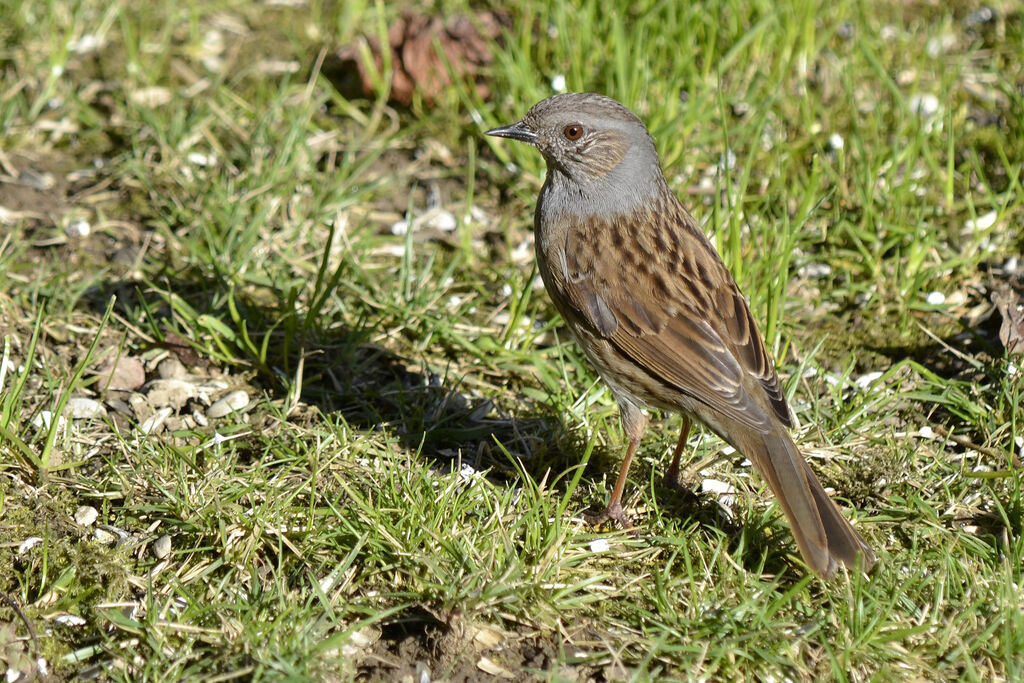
<point x="419" y="645"/>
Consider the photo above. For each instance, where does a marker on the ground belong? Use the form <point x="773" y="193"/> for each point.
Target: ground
<point x="282" y="395"/>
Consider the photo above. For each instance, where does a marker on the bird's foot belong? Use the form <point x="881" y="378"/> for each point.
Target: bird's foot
<point x="672" y="479"/>
<point x="614" y="513"/>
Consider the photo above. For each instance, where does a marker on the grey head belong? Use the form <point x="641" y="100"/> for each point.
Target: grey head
<point x="594" y="147"/>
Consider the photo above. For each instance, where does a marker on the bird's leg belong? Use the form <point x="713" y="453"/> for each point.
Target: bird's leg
<point x="672" y="476"/>
<point x="614" y="510"/>
<point x="634" y="421"/>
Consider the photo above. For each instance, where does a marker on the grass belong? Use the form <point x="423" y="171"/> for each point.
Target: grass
<point x="402" y="492"/>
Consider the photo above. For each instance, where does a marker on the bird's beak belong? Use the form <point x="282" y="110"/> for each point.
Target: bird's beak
<point x="517" y="131"/>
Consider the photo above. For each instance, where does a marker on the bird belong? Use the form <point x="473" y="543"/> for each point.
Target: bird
<point x="657" y="313"/>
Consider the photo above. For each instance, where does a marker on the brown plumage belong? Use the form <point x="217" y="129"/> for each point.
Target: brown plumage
<point x="656" y="311"/>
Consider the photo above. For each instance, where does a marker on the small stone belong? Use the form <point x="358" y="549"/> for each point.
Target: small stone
<point x="86" y="515"/>
<point x="155" y="422"/>
<point x="866" y="380"/>
<point x="558" y="83"/>
<point x="121" y="374"/>
<point x="199" y="418"/>
<point x="28" y="544"/>
<point x="78" y="228"/>
<point x="171" y="368"/>
<point x="104" y="536"/>
<point x="982" y="222"/>
<point x="924" y="105"/>
<point x="69" y="620"/>
<point x="169" y="392"/>
<point x="233" y="402"/>
<point x="442" y="220"/>
<point x="599" y="545"/>
<point x="162" y="547"/>
<point x="44" y="418"/>
<point x="79" y="408"/>
<point x="936" y="298"/>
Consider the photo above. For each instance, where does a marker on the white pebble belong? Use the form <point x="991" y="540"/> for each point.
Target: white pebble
<point x="400" y="228"/>
<point x="836" y="142"/>
<point x="70" y="620"/>
<point x="45" y="417"/>
<point x="162" y="547"/>
<point x="926" y="432"/>
<point x="233" y="402"/>
<point x="444" y="221"/>
<point x="78" y="228"/>
<point x="200" y="159"/>
<point x="103" y="536"/>
<point x="936" y="298"/>
<point x="816" y="270"/>
<point x="558" y="83"/>
<point x="153" y="423"/>
<point x="924" y="105"/>
<point x="28" y="544"/>
<point x="716" y="486"/>
<point x="79" y="408"/>
<point x="599" y="545"/>
<point x="864" y="381"/>
<point x="982" y="222"/>
<point x="86" y="515"/>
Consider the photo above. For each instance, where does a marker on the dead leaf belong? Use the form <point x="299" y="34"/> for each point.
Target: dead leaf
<point x="1009" y="302"/>
<point x="426" y="51"/>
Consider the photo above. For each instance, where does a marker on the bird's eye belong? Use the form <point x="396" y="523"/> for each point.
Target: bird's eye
<point x="573" y="132"/>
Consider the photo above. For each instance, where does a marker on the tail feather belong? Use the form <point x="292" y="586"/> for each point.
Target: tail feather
<point x="821" y="532"/>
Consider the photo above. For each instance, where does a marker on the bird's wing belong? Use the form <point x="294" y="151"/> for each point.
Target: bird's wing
<point x="652" y="284"/>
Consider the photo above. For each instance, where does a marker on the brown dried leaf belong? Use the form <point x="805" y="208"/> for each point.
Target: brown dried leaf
<point x="1009" y="302"/>
<point x="426" y="52"/>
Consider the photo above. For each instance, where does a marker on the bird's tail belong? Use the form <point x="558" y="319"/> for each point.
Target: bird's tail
<point x="822" y="533"/>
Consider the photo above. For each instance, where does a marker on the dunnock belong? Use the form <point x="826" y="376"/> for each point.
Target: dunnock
<point x="658" y="314"/>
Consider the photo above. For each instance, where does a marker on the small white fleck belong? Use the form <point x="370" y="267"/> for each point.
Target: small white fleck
<point x="400" y="228"/>
<point x="70" y="620"/>
<point x="816" y="270"/>
<point x="924" y="105"/>
<point x="1011" y="370"/>
<point x="936" y="298"/>
<point x="926" y="432"/>
<point x="728" y="450"/>
<point x="558" y="83"/>
<point x="864" y="381"/>
<point x="200" y="159"/>
<point x="78" y="228"/>
<point x="717" y="486"/>
<point x="983" y="222"/>
<point x="86" y="44"/>
<point x="506" y="289"/>
<point x="454" y="301"/>
<point x="727" y="161"/>
<point x="442" y="220"/>
<point x="28" y="544"/>
<point x="599" y="545"/>
<point x="836" y="142"/>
